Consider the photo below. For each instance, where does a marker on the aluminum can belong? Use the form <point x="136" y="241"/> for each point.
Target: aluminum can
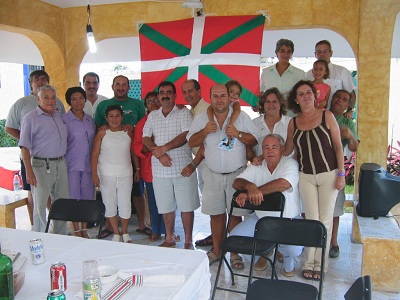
<point x="56" y="295"/>
<point x="37" y="251"/>
<point x="91" y="288"/>
<point x="58" y="276"/>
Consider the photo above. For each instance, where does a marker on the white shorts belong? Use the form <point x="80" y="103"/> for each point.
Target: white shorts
<point x="176" y="193"/>
<point x="218" y="192"/>
<point x="116" y="194"/>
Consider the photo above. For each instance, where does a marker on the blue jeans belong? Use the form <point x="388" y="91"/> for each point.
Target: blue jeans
<point x="157" y="220"/>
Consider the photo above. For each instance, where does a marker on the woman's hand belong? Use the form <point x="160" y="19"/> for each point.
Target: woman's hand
<point x="96" y="180"/>
<point x="340" y="182"/>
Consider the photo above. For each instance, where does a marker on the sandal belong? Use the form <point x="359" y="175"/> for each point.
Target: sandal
<point x="177" y="237"/>
<point x="212" y="257"/>
<point x="317" y="275"/>
<point x="85" y="234"/>
<point x="78" y="233"/>
<point x="168" y="244"/>
<point x="126" y="238"/>
<point x="105" y="233"/>
<point x="205" y="242"/>
<point x="154" y="237"/>
<point x="236" y="262"/>
<point x="261" y="264"/>
<point x="147" y="231"/>
<point x="308" y="274"/>
<point x="280" y="257"/>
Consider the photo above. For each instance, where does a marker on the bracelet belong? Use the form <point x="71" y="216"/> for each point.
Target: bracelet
<point x="194" y="165"/>
<point x="341" y="174"/>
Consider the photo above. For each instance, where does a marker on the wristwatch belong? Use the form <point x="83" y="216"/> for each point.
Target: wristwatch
<point x="240" y="135"/>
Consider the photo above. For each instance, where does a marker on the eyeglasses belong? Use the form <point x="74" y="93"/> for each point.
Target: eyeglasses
<point x="152" y="101"/>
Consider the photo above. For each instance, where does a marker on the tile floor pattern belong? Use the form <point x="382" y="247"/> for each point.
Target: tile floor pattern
<point x="342" y="271"/>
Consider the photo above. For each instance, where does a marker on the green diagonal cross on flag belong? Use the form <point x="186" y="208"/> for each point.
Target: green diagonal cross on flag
<point x="209" y="49"/>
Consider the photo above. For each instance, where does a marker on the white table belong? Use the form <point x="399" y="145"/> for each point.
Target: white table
<point x="147" y="260"/>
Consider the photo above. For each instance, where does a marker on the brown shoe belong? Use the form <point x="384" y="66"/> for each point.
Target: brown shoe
<point x="168" y="244"/>
<point x="261" y="264"/>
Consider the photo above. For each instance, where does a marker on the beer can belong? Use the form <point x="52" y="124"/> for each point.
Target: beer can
<point x="37" y="251"/>
<point x="56" y="295"/>
<point x="91" y="288"/>
<point x="58" y="276"/>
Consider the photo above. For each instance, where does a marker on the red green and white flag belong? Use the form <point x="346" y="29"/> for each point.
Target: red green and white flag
<point x="209" y="49"/>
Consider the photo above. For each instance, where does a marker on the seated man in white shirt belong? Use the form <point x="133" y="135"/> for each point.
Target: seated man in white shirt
<point x="277" y="173"/>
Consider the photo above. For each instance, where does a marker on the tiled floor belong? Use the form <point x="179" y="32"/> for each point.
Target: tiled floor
<point x="342" y="271"/>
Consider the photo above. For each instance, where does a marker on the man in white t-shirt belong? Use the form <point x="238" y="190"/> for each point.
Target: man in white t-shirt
<point x="277" y="173"/>
<point x="339" y="79"/>
<point x="91" y="82"/>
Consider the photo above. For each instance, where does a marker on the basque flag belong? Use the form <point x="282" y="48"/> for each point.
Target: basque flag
<point x="209" y="49"/>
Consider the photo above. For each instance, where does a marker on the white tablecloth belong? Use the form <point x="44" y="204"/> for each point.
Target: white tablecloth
<point x="145" y="260"/>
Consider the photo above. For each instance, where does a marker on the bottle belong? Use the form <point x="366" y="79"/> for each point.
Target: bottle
<point x="17" y="185"/>
<point x="6" y="278"/>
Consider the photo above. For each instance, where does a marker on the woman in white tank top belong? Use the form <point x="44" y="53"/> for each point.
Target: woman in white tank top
<point x="112" y="171"/>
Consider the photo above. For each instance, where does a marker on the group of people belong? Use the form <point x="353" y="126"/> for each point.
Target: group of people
<point x="177" y="152"/>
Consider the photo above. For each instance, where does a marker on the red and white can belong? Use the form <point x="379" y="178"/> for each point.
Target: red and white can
<point x="58" y="276"/>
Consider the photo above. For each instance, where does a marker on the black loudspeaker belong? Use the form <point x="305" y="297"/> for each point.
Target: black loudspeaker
<point x="378" y="190"/>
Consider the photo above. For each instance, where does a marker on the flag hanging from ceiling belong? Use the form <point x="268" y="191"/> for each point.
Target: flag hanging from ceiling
<point x="209" y="49"/>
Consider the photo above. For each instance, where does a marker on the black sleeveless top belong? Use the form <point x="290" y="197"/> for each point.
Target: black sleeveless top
<point x="315" y="152"/>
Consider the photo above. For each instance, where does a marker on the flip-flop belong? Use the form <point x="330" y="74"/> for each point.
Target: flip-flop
<point x="308" y="274"/>
<point x="168" y="244"/>
<point x="154" y="237"/>
<point x="147" y="231"/>
<point x="212" y="257"/>
<point x="207" y="241"/>
<point x="105" y="233"/>
<point x="236" y="262"/>
<point x="317" y="275"/>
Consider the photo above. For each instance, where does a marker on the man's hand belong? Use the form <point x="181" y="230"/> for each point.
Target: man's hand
<point x="231" y="130"/>
<point x="255" y="196"/>
<point x="345" y="133"/>
<point x="188" y="170"/>
<point x="241" y="199"/>
<point x="31" y="178"/>
<point x="159" y="151"/>
<point x="127" y="127"/>
<point x="104" y="127"/>
<point x="165" y="160"/>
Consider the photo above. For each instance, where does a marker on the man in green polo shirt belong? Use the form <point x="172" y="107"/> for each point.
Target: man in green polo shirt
<point x="133" y="109"/>
<point x="340" y="103"/>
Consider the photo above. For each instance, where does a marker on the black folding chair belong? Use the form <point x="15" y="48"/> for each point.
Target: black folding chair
<point x="77" y="211"/>
<point x="243" y="244"/>
<point x="308" y="233"/>
<point x="361" y="289"/>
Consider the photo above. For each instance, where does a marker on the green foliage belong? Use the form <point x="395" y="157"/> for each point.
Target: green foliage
<point x="6" y="140"/>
